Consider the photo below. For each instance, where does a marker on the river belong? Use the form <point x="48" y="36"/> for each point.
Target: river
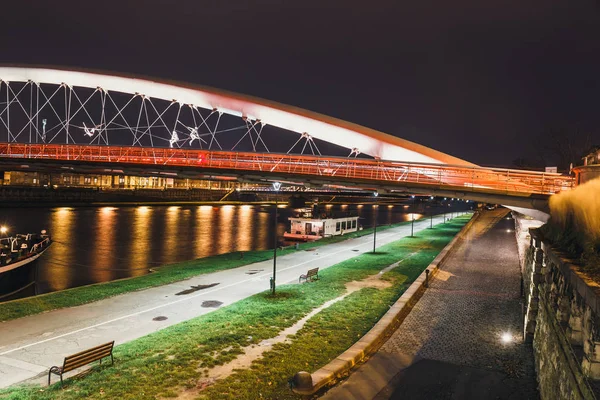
<point x="100" y="244"/>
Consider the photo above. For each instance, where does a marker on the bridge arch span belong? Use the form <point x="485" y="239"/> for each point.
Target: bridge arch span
<point x="352" y="136"/>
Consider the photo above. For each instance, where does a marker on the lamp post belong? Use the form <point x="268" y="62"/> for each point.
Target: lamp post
<point x="276" y="187"/>
<point x="376" y="209"/>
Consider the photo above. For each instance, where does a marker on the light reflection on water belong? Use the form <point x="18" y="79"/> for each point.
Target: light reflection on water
<point x="103" y="265"/>
<point x="96" y="244"/>
<point x="61" y="221"/>
<point x="142" y="229"/>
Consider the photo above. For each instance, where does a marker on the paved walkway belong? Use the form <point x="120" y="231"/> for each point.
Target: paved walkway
<point x="450" y="345"/>
<point x="30" y="345"/>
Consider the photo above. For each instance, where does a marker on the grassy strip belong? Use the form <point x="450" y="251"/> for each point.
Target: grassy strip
<point x="163" y="275"/>
<point x="162" y="363"/>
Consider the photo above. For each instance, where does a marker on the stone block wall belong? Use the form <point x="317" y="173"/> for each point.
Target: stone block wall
<point x="561" y="321"/>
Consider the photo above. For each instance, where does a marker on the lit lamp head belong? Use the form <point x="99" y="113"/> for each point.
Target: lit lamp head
<point x="3" y="230"/>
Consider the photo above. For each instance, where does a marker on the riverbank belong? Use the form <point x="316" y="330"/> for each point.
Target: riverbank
<point x="170" y="362"/>
<point x="160" y="276"/>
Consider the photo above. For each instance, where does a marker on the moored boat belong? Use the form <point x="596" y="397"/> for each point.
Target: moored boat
<point x="22" y="249"/>
<point x="308" y="228"/>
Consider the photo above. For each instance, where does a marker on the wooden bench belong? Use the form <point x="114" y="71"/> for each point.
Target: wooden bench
<point x="311" y="275"/>
<point x="82" y="358"/>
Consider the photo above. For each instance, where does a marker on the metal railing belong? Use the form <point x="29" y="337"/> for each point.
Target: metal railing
<point x="441" y="175"/>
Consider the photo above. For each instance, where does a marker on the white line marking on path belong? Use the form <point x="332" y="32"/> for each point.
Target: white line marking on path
<point x="183" y="299"/>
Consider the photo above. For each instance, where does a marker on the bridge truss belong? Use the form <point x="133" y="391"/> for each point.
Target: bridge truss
<point x="93" y="118"/>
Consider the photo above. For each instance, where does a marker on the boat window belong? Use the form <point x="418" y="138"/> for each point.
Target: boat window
<point x="337" y="226"/>
<point x="353" y="223"/>
<point x="344" y="225"/>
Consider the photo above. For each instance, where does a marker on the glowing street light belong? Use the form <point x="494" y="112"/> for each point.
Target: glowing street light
<point x="276" y="187"/>
<point x="506" y="338"/>
<point x="3" y="230"/>
<point x="375" y="220"/>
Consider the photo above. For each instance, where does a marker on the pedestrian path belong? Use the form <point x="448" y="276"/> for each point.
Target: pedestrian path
<point x="463" y="339"/>
<point x="30" y="346"/>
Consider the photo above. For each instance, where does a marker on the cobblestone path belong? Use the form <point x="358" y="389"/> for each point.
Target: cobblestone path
<point x="452" y="340"/>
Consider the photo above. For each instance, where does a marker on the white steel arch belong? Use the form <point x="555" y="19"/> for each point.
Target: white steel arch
<point x="309" y="124"/>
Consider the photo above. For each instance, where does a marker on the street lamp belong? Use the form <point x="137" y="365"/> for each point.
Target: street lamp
<point x="3" y="230"/>
<point x="375" y="220"/>
<point x="276" y="187"/>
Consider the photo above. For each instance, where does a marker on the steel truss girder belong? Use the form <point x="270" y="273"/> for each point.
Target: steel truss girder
<point x="82" y="115"/>
<point x="505" y="181"/>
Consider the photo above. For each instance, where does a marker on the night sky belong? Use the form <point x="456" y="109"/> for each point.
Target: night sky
<point x="481" y="80"/>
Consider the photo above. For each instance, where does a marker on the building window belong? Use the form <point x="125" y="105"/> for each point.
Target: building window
<point x="344" y="225"/>
<point x="95" y="180"/>
<point x="337" y="226"/>
<point x="87" y="180"/>
<point x="353" y="223"/>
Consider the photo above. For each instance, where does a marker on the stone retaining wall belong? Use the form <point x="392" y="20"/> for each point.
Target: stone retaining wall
<point x="562" y="307"/>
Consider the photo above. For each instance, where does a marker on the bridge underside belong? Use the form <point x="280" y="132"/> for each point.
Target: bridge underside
<point x="401" y="188"/>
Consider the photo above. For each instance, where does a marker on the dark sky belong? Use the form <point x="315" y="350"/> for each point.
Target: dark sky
<point x="476" y="79"/>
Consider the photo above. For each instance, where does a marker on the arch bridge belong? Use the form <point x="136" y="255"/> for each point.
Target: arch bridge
<point x="82" y="121"/>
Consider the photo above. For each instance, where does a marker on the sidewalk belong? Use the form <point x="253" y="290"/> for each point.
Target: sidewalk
<point x="450" y="346"/>
<point x="30" y="346"/>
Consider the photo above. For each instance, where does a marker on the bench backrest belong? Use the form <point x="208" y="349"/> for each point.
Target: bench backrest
<point x="312" y="272"/>
<point x="87" y="356"/>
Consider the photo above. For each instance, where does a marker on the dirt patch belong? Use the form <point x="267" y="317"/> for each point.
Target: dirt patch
<point x="211" y="303"/>
<point x="256" y="351"/>
<point x="196" y="288"/>
<point x="254" y="271"/>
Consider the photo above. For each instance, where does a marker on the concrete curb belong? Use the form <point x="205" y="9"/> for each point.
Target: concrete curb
<point x="373" y="339"/>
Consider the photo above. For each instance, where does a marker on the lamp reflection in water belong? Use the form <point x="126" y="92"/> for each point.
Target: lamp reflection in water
<point x="226" y="214"/>
<point x="169" y="254"/>
<point x="103" y="260"/>
<point x="61" y="228"/>
<point x="141" y="243"/>
<point x="205" y="225"/>
<point x="245" y="228"/>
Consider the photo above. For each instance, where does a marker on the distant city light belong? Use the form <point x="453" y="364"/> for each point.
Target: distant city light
<point x="431" y="197"/>
<point x="412" y="196"/>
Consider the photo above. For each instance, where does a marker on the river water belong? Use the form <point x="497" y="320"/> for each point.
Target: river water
<point x="99" y="244"/>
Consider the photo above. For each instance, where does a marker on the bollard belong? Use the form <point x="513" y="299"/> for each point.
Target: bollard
<point x="297" y="245"/>
<point x="271" y="283"/>
<point x="426" y="278"/>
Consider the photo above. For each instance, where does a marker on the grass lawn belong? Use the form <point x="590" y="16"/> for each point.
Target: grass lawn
<point x="164" y="363"/>
<point x="163" y="275"/>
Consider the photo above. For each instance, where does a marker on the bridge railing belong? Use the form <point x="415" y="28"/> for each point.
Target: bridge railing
<point x="469" y="178"/>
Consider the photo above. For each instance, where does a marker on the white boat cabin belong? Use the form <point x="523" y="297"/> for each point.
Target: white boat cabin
<point x="315" y="228"/>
